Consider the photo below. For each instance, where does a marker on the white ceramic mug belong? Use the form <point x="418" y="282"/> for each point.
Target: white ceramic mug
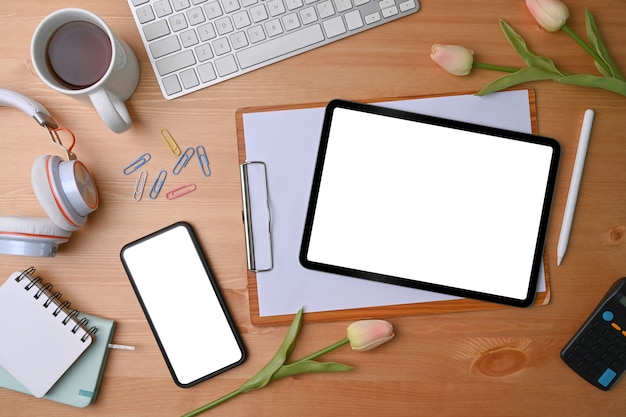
<point x="77" y="54"/>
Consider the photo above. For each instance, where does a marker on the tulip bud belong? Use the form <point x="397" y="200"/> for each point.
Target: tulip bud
<point x="368" y="334"/>
<point x="455" y="59"/>
<point x="550" y="14"/>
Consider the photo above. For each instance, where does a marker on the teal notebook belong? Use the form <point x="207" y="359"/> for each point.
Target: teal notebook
<point x="80" y="384"/>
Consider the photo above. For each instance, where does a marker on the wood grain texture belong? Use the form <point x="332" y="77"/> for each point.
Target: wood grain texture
<point x="502" y="362"/>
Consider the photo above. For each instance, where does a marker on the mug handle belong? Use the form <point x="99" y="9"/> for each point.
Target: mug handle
<point x="112" y="110"/>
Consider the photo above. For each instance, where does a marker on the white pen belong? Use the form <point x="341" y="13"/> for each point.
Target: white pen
<point x="574" y="185"/>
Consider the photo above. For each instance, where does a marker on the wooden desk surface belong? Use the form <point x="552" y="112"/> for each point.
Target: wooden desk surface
<point x="492" y="363"/>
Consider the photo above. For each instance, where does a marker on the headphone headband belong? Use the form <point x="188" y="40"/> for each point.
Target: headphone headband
<point x="28" y="106"/>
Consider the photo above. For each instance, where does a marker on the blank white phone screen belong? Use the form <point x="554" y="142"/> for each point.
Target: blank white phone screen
<point x="177" y="294"/>
<point x="429" y="203"/>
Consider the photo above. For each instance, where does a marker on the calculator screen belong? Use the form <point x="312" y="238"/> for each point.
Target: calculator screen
<point x="622" y="300"/>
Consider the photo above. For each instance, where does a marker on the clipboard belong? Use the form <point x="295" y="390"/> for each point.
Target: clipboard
<point x="265" y="214"/>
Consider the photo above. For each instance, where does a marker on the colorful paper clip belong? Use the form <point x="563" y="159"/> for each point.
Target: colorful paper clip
<point x="137" y="163"/>
<point x="158" y="184"/>
<point x="180" y="191"/>
<point x="140" y="185"/>
<point x="183" y="161"/>
<point x="170" y="142"/>
<point x="204" y="161"/>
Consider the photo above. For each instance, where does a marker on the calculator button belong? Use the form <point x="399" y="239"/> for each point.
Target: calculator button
<point x="616" y="326"/>
<point x="607" y="377"/>
<point x="608" y="315"/>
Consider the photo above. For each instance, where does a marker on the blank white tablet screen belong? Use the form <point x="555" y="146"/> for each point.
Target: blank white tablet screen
<point x="430" y="203"/>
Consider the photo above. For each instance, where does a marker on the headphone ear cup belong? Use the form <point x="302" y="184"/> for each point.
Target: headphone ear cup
<point x="48" y="189"/>
<point x="30" y="236"/>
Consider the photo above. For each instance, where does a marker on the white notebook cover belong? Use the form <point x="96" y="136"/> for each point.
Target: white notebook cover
<point x="36" y="347"/>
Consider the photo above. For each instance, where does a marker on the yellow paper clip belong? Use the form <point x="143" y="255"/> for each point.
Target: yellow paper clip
<point x="183" y="161"/>
<point x="140" y="184"/>
<point x="204" y="161"/>
<point x="180" y="191"/>
<point x="170" y="142"/>
<point x="137" y="163"/>
<point x="158" y="183"/>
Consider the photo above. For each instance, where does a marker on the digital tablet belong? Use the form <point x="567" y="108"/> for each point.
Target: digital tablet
<point x="430" y="203"/>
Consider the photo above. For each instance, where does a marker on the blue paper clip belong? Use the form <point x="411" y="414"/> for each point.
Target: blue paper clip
<point x="183" y="161"/>
<point x="158" y="183"/>
<point x="137" y="163"/>
<point x="204" y="161"/>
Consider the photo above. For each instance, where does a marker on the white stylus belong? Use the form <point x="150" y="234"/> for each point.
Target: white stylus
<point x="574" y="185"/>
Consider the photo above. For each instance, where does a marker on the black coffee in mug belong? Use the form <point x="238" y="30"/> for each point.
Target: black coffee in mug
<point x="79" y="54"/>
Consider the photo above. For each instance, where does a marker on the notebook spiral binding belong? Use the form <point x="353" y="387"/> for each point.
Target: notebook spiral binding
<point x="62" y="307"/>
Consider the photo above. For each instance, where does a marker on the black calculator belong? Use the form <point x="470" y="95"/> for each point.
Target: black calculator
<point x="597" y="352"/>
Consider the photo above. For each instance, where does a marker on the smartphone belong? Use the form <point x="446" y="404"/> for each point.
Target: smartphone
<point x="183" y="304"/>
<point x="597" y="352"/>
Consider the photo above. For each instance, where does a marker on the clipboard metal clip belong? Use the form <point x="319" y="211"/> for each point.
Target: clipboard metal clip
<point x="254" y="190"/>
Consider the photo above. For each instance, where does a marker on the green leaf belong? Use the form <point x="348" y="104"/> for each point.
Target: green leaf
<point x="531" y="59"/>
<point x="264" y="376"/>
<point x="605" y="83"/>
<point x="522" y="76"/>
<point x="308" y="367"/>
<point x="595" y="39"/>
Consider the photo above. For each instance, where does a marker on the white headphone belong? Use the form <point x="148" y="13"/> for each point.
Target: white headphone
<point x="65" y="190"/>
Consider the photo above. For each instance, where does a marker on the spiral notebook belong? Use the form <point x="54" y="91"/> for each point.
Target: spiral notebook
<point x="80" y="385"/>
<point x="41" y="336"/>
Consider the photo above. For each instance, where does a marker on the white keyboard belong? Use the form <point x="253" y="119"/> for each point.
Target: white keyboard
<point x="193" y="44"/>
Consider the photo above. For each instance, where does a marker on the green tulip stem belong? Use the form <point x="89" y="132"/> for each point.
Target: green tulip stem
<point x="586" y="47"/>
<point x="238" y="391"/>
<point x="324" y="351"/>
<point x="495" y="67"/>
<point x="214" y="403"/>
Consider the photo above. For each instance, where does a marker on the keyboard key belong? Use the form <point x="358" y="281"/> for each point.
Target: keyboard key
<point x="189" y="78"/>
<point x="221" y="46"/>
<point x="290" y="21"/>
<point x="189" y="38"/>
<point x="181" y="4"/>
<point x="325" y="9"/>
<point x="256" y="34"/>
<point x="372" y="18"/>
<point x="390" y="11"/>
<point x="145" y="14"/>
<point x="231" y="5"/>
<point x="343" y="5"/>
<point x="280" y="46"/>
<point x="178" y="22"/>
<point x="156" y="30"/>
<point x="275" y="7"/>
<point x="226" y="65"/>
<point x="353" y="20"/>
<point x="241" y="19"/>
<point x="273" y="28"/>
<point x="175" y="62"/>
<point x="171" y="85"/>
<point x="213" y="10"/>
<point x="238" y="40"/>
<point x="206" y="72"/>
<point x="204" y="52"/>
<point x="258" y="13"/>
<point x="334" y="27"/>
<point x="164" y="46"/>
<point x="162" y="8"/>
<point x="195" y="16"/>
<point x="407" y="5"/>
<point x="308" y="15"/>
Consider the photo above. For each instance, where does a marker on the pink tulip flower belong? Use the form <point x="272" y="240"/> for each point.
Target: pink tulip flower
<point x="455" y="59"/>
<point x="366" y="335"/>
<point x="550" y="14"/>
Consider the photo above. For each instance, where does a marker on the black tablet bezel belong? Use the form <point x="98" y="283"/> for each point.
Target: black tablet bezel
<point x="461" y="292"/>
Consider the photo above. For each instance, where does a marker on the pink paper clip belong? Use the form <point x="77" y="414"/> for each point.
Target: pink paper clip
<point x="180" y="191"/>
